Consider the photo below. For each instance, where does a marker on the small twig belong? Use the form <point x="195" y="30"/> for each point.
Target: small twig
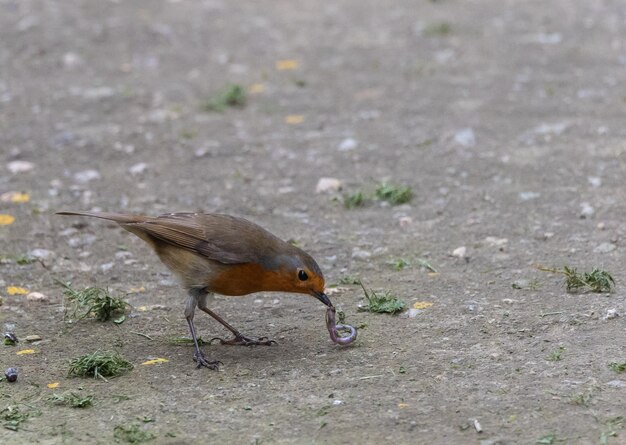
<point x="551" y="313"/>
<point x="370" y="377"/>
<point x="142" y="335"/>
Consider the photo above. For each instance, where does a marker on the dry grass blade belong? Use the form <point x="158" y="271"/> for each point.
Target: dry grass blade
<point x="99" y="365"/>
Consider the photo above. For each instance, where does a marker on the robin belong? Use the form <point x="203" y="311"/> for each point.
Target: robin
<point x="216" y="253"/>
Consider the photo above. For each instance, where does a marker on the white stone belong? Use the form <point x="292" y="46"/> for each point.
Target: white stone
<point x="20" y="166"/>
<point x="43" y="254"/>
<point x="605" y="248"/>
<point x="36" y="296"/>
<point x="460" y="252"/>
<point x="138" y="169"/>
<point x="611" y="314"/>
<point x="586" y="210"/>
<point x="348" y="144"/>
<point x="359" y="254"/>
<point x="85" y="176"/>
<point x="328" y="185"/>
<point x="594" y="181"/>
<point x="527" y="196"/>
<point x="496" y="242"/>
<point x="465" y="137"/>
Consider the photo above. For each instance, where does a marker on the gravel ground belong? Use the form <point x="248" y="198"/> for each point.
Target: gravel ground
<point x="506" y="119"/>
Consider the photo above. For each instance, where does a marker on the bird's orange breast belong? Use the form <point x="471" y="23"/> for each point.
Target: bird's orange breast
<point x="243" y="279"/>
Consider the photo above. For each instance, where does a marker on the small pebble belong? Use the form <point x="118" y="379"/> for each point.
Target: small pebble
<point x="20" y="166"/>
<point x="359" y="254"/>
<point x="500" y="243"/>
<point x="43" y="254"/>
<point x="71" y="60"/>
<point x="328" y="185"/>
<point x="82" y="240"/>
<point x="460" y="252"/>
<point x="86" y="176"/>
<point x="479" y="429"/>
<point x="32" y="338"/>
<point x="605" y="248"/>
<point x="348" y="144"/>
<point x="11" y="374"/>
<point x="617" y="383"/>
<point x="611" y="314"/>
<point x="586" y="210"/>
<point x="594" y="181"/>
<point x="465" y="137"/>
<point x="405" y="221"/>
<point x="36" y="296"/>
<point x="527" y="196"/>
<point x="138" y="169"/>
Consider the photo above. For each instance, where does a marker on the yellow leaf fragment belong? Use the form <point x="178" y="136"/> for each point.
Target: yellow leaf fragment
<point x="422" y="304"/>
<point x="294" y="119"/>
<point x="17" y="197"/>
<point x="142" y="308"/>
<point x="286" y="64"/>
<point x="6" y="220"/>
<point x="15" y="290"/>
<point x="53" y="385"/>
<point x="26" y="351"/>
<point x="433" y="274"/>
<point x="136" y="290"/>
<point x="155" y="361"/>
<point x="256" y="88"/>
<point x="402" y="405"/>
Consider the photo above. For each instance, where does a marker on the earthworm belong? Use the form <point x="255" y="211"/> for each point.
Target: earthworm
<point x="333" y="328"/>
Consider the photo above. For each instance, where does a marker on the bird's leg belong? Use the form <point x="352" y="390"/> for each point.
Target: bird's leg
<point x="198" y="357"/>
<point x="239" y="338"/>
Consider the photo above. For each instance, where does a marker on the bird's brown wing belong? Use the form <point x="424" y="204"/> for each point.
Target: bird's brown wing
<point x="222" y="238"/>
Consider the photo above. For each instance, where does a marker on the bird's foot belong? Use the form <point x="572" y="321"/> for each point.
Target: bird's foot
<point x="201" y="360"/>
<point x="242" y="340"/>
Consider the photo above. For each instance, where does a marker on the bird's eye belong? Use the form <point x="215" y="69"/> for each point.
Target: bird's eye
<point x="302" y="276"/>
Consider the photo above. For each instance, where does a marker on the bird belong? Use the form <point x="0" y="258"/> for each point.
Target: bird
<point x="228" y="255"/>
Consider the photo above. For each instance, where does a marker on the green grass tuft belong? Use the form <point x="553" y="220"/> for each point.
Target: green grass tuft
<point x="557" y="355"/>
<point x="393" y="194"/>
<point x="12" y="417"/>
<point x="381" y="303"/>
<point x="231" y="96"/>
<point x="99" y="365"/>
<point x="354" y="200"/>
<point x="597" y="280"/>
<point x="438" y="29"/>
<point x="617" y="367"/>
<point x="72" y="400"/>
<point x="399" y="264"/>
<point x="92" y="301"/>
<point x="133" y="433"/>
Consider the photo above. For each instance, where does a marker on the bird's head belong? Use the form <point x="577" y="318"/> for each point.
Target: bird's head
<point x="298" y="272"/>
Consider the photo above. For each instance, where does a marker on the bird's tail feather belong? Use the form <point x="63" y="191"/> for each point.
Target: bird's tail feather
<point x="117" y="217"/>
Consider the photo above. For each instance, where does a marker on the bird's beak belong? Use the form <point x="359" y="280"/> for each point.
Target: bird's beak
<point x="321" y="296"/>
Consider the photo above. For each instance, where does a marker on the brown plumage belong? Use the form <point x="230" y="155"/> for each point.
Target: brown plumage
<point x="222" y="254"/>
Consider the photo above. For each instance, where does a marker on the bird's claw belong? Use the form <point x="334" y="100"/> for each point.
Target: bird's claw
<point x="201" y="360"/>
<point x="242" y="340"/>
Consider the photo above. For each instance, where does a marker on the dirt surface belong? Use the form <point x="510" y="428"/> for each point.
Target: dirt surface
<point x="506" y="118"/>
